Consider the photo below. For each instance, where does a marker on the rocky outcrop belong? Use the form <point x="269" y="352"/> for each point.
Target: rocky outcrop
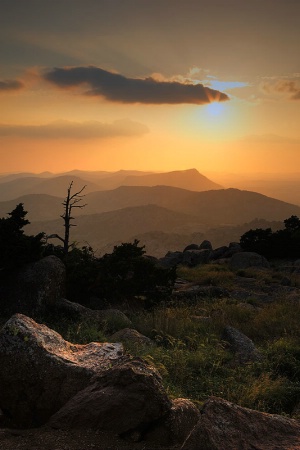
<point x="224" y="425"/>
<point x="243" y="348"/>
<point x="194" y="257"/>
<point x="110" y="319"/>
<point x="36" y="286"/>
<point x="243" y="260"/>
<point x="130" y="335"/>
<point x="40" y="371"/>
<point x="90" y="386"/>
<point x="176" y="426"/>
<point x="127" y="396"/>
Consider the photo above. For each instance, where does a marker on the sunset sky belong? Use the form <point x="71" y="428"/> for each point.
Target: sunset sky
<point x="150" y="85"/>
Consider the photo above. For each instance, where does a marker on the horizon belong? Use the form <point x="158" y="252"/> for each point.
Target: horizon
<point x="149" y="86"/>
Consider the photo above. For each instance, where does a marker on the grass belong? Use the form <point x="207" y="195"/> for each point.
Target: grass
<point x="196" y="363"/>
<point x="192" y="357"/>
<point x="207" y="274"/>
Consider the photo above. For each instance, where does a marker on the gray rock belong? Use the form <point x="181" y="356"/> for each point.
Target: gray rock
<point x="111" y="319"/>
<point x="130" y="335"/>
<point x="195" y="257"/>
<point x="176" y="426"/>
<point x="36" y="286"/>
<point x="224" y="425"/>
<point x="243" y="260"/>
<point x="205" y="245"/>
<point x="171" y="259"/>
<point x="191" y="247"/>
<point x="241" y="345"/>
<point x="40" y="371"/>
<point x="120" y="399"/>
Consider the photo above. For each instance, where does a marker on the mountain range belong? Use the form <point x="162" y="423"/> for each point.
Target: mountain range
<point x="156" y="215"/>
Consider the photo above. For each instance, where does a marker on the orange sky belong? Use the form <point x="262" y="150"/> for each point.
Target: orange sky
<point x="127" y="84"/>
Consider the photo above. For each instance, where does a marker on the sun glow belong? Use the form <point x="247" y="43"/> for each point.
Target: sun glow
<point x="215" y="109"/>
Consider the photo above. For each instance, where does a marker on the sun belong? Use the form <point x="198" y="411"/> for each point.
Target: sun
<point x="215" y="109"/>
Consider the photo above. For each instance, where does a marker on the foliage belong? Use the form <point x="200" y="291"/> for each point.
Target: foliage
<point x="120" y="276"/>
<point x="281" y="243"/>
<point x="17" y="248"/>
<point x="127" y="273"/>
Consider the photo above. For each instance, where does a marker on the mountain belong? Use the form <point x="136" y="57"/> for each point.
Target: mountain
<point x="55" y="186"/>
<point x="214" y="208"/>
<point x="15" y="185"/>
<point x="99" y="230"/>
<point x="38" y="206"/>
<point x="211" y="208"/>
<point x="186" y="179"/>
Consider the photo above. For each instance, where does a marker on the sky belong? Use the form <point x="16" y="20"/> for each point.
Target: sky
<point x="150" y="85"/>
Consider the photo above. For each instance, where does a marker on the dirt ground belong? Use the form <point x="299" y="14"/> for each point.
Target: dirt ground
<point x="50" y="439"/>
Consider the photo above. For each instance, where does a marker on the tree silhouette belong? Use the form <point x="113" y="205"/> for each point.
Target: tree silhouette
<point x="71" y="201"/>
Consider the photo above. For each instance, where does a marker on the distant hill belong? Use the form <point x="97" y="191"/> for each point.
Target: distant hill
<point x="15" y="185"/>
<point x="38" y="206"/>
<point x="55" y="186"/>
<point x="186" y="179"/>
<point x="211" y="208"/>
<point x="214" y="208"/>
<point x="100" y="229"/>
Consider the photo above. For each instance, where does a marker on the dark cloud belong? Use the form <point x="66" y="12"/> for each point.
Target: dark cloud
<point x="289" y="87"/>
<point x="74" y="130"/>
<point x="10" y="85"/>
<point x="117" y="88"/>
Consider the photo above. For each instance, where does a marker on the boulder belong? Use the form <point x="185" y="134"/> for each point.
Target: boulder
<point x="243" y="348"/>
<point x="195" y="257"/>
<point x="36" y="286"/>
<point x="171" y="259"/>
<point x="205" y="245"/>
<point x="191" y="247"/>
<point x="40" y="371"/>
<point x="111" y="319"/>
<point x="219" y="252"/>
<point x="126" y="396"/>
<point x="130" y="335"/>
<point x="243" y="260"/>
<point x="176" y="426"/>
<point x="224" y="425"/>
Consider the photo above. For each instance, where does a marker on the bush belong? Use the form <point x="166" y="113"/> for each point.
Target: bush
<point x="17" y="248"/>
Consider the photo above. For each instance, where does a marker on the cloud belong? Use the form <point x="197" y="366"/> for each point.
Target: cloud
<point x="283" y="87"/>
<point x="118" y="88"/>
<point x="10" y="85"/>
<point x="74" y="130"/>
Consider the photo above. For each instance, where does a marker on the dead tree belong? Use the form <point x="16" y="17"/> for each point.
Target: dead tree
<point x="69" y="203"/>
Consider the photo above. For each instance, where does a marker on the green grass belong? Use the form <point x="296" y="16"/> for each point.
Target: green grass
<point x="207" y="274"/>
<point x="192" y="357"/>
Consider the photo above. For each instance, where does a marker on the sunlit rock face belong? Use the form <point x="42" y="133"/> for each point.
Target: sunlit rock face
<point x="40" y="371"/>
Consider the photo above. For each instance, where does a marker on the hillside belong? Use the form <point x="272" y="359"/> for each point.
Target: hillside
<point x="55" y="186"/>
<point x="214" y="208"/>
<point x="186" y="179"/>
<point x="98" y="230"/>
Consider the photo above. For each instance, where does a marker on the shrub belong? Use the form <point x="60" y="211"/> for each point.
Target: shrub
<point x="17" y="248"/>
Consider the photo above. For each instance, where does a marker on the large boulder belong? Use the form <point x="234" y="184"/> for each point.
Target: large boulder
<point x="40" y="371"/>
<point x="224" y="425"/>
<point x="194" y="257"/>
<point x="242" y="346"/>
<point x="243" y="260"/>
<point x="171" y="259"/>
<point x="110" y="319"/>
<point x="126" y="396"/>
<point x="176" y="426"/>
<point x="36" y="286"/>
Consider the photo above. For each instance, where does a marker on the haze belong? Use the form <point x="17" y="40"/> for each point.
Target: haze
<point x="150" y="85"/>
